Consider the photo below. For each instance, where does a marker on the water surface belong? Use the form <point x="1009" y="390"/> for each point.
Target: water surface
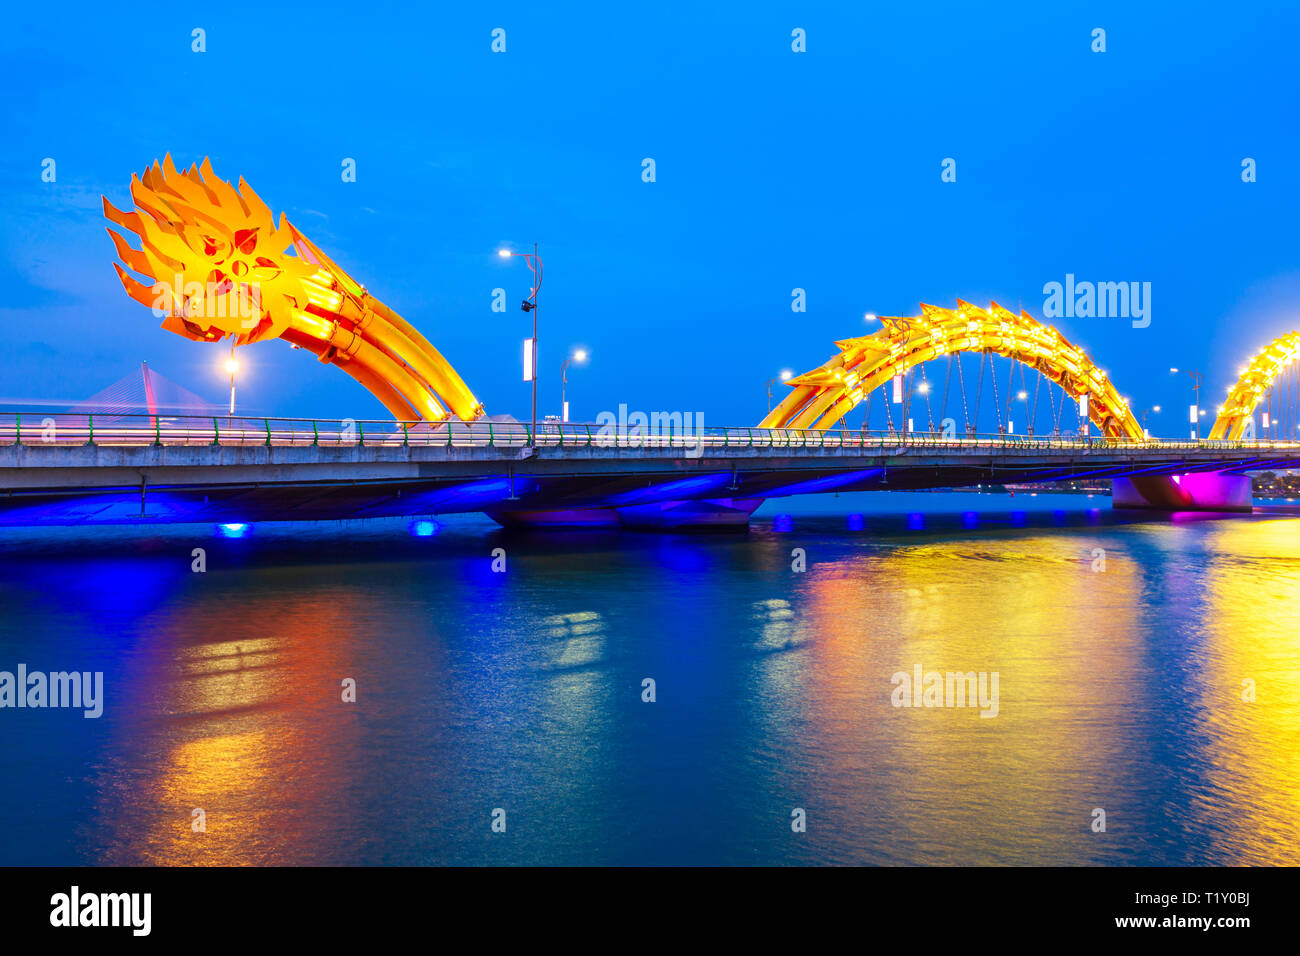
<point x="1120" y="688"/>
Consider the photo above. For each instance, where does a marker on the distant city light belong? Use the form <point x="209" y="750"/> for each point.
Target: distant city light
<point x="233" y="530"/>
<point x="424" y="529"/>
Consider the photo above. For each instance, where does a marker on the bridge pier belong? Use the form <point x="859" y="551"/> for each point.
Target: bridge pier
<point x="683" y="515"/>
<point x="1198" y="491"/>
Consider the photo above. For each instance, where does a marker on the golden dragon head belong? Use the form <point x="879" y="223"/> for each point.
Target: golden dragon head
<point x="216" y="262"/>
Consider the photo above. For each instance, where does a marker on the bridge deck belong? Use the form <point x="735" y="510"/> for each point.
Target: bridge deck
<point x="162" y="474"/>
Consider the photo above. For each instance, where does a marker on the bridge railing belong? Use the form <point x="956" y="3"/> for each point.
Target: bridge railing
<point x="112" y="430"/>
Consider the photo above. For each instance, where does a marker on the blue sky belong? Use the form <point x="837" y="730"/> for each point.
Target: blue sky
<point x="775" y="171"/>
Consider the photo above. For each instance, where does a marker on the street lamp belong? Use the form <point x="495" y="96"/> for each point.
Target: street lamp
<point x="579" y="356"/>
<point x="785" y="376"/>
<point x="1196" y="412"/>
<point x="1022" y="396"/>
<point x="529" y="304"/>
<point x="1145" y="412"/>
<point x="232" y="366"/>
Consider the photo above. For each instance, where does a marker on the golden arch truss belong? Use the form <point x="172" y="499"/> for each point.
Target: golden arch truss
<point x="1254" y="383"/>
<point x="218" y="266"/>
<point x="822" y="397"/>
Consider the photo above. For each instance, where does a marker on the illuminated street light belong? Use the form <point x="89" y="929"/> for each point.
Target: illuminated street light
<point x="1153" y="409"/>
<point x="785" y="375"/>
<point x="232" y="366"/>
<point x="1195" y="413"/>
<point x="534" y="262"/>
<point x="1011" y="428"/>
<point x="579" y="356"/>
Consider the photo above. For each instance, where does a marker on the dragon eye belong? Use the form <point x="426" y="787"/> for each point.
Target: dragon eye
<point x="246" y="240"/>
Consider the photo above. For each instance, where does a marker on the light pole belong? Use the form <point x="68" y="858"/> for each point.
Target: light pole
<point x="529" y="304"/>
<point x="1196" y="409"/>
<point x="232" y="366"/>
<point x="785" y="377"/>
<point x="579" y="356"/>
<point x="899" y="326"/>
<point x="1145" y="412"/>
<point x="1021" y="396"/>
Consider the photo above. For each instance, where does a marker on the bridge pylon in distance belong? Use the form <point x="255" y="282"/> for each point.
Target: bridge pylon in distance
<point x="217" y="266"/>
<point x="1255" y="382"/>
<point x="821" y="397"/>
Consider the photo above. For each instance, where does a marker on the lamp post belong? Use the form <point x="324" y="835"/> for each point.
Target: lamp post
<point x="785" y="377"/>
<point x="1145" y="412"/>
<point x="899" y="326"/>
<point x="529" y="304"/>
<point x="232" y="366"/>
<point x="1196" y="409"/>
<point x="1021" y="396"/>
<point x="579" y="356"/>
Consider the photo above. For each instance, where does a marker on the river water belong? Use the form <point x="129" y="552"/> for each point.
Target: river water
<point x="1127" y="654"/>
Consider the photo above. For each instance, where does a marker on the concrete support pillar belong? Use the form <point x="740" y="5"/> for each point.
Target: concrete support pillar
<point x="683" y="515"/>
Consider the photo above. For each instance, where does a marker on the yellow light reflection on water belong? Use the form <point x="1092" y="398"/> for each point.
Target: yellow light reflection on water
<point x="1251" y="793"/>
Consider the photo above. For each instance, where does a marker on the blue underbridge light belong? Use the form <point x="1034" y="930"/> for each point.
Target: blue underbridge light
<point x="916" y="521"/>
<point x="232" y="530"/>
<point x="424" y="528"/>
<point x="970" y="519"/>
<point x="855" y="522"/>
<point x="783" y="523"/>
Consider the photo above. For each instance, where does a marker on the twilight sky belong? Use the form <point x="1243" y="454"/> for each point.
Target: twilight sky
<point x="775" y="170"/>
